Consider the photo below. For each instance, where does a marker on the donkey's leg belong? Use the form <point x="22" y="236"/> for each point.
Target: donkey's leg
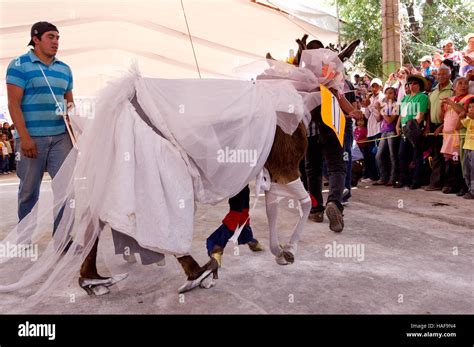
<point x="271" y="204"/>
<point x="197" y="275"/>
<point x="293" y="190"/>
<point x="298" y="192"/>
<point x="89" y="279"/>
<point x="89" y="266"/>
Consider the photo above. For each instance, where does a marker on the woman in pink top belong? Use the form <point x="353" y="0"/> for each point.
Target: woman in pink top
<point x="451" y="110"/>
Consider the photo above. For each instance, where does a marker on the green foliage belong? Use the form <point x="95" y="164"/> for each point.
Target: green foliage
<point x="436" y="19"/>
<point x="439" y="20"/>
<point x="362" y="20"/>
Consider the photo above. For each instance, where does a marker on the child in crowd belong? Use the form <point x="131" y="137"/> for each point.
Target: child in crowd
<point x="468" y="122"/>
<point x="387" y="154"/>
<point x="360" y="135"/>
<point x="451" y="113"/>
<point x="5" y="149"/>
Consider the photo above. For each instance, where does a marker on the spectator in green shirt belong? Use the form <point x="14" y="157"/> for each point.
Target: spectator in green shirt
<point x="413" y="107"/>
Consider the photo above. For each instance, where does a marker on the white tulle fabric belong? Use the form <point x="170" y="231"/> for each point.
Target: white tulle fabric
<point x="317" y="66"/>
<point x="144" y="184"/>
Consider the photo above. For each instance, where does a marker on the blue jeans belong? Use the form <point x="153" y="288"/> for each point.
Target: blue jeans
<point x="52" y="151"/>
<point x="5" y="164"/>
<point x="408" y="155"/>
<point x="469" y="169"/>
<point x="348" y="140"/>
<point x="371" y="170"/>
<point x="387" y="153"/>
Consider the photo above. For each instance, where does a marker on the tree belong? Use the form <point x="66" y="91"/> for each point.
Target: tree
<point x="438" y="20"/>
<point x="362" y="20"/>
<point x="425" y="23"/>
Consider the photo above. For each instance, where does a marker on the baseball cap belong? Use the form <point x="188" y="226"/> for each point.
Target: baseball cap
<point x="425" y="58"/>
<point x="376" y="81"/>
<point x="39" y="29"/>
<point x="445" y="42"/>
<point x="468" y="37"/>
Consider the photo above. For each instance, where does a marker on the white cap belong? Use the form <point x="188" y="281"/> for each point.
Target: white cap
<point x="468" y="36"/>
<point x="426" y="58"/>
<point x="376" y="81"/>
<point x="445" y="42"/>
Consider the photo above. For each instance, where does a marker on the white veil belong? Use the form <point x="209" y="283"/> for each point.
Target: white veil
<point x="144" y="184"/>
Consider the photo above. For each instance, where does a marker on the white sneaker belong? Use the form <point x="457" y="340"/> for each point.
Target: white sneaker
<point x="367" y="180"/>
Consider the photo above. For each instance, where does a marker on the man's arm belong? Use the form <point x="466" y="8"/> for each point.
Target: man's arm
<point x="347" y="107"/>
<point x="28" y="146"/>
<point x="420" y="117"/>
<point x="69" y="99"/>
<point x="397" y="128"/>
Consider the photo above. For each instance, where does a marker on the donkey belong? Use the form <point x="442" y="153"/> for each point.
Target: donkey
<point x="283" y="166"/>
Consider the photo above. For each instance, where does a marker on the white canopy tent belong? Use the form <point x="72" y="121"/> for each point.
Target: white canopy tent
<point x="101" y="38"/>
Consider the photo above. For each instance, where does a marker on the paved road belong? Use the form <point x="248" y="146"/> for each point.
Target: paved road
<point x="417" y="258"/>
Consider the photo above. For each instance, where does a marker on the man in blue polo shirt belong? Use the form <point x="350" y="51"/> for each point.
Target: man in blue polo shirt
<point x="39" y="86"/>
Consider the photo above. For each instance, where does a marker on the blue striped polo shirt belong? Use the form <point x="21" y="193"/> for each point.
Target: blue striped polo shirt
<point x="38" y="105"/>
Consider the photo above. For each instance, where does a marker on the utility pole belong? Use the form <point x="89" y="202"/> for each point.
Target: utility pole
<point x="338" y="25"/>
<point x="391" y="42"/>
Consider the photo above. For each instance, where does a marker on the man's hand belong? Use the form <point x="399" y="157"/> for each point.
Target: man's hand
<point x="28" y="147"/>
<point x="398" y="130"/>
<point x="439" y="130"/>
<point x="447" y="101"/>
<point x="426" y="131"/>
<point x="356" y="114"/>
<point x="469" y="60"/>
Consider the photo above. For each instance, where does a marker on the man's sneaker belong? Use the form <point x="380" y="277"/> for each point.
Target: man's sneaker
<point x="346" y="195"/>
<point x="398" y="184"/>
<point x="317" y="217"/>
<point x="367" y="180"/>
<point x="255" y="246"/>
<point x="334" y="214"/>
<point x="468" y="196"/>
<point x="432" y="189"/>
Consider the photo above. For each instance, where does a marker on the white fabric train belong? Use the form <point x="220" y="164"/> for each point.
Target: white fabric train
<point x="215" y="138"/>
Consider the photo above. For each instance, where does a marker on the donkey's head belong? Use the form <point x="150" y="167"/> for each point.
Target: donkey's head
<point x="344" y="52"/>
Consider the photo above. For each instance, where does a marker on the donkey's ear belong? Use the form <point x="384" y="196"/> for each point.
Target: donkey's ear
<point x="304" y="38"/>
<point x="269" y="56"/>
<point x="301" y="47"/>
<point x="347" y="52"/>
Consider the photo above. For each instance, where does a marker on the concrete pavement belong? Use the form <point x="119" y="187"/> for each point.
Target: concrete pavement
<point x="401" y="251"/>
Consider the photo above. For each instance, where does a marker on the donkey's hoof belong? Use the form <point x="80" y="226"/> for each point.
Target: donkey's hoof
<point x="208" y="282"/>
<point x="106" y="282"/>
<point x="130" y="258"/>
<point x="289" y="252"/>
<point x="161" y="262"/>
<point x="100" y="290"/>
<point x="281" y="260"/>
<point x="96" y="290"/>
<point x="191" y="284"/>
<point x="209" y="268"/>
<point x="289" y="257"/>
